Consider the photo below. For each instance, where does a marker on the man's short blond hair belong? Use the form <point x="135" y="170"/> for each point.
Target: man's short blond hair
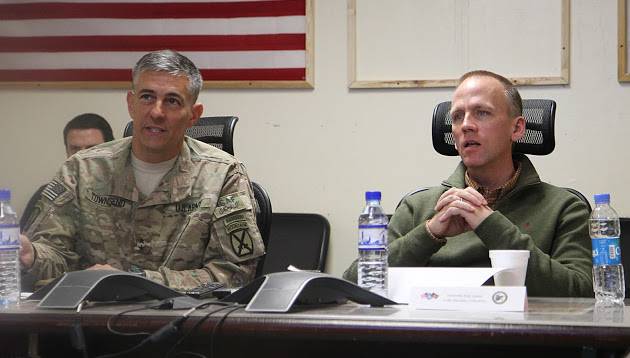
<point x="515" y="103"/>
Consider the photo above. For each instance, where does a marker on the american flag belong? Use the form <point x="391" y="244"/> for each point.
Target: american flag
<point x="233" y="42"/>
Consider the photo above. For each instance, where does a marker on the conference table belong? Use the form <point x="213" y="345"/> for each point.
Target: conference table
<point x="558" y="327"/>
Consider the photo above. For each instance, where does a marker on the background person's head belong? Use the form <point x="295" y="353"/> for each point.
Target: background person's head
<point x="487" y="119"/>
<point x="85" y="131"/>
<point x="162" y="104"/>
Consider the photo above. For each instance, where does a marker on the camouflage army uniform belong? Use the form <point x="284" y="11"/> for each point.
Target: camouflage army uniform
<point x="198" y="225"/>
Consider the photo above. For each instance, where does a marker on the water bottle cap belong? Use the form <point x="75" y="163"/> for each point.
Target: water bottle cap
<point x="602" y="198"/>
<point x="372" y="195"/>
<point x="5" y="195"/>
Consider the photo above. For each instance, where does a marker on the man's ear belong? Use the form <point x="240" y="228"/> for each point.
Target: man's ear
<point x="519" y="128"/>
<point x="129" y="102"/>
<point x="197" y="111"/>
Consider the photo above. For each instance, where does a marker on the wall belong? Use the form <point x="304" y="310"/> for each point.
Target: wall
<point x="319" y="150"/>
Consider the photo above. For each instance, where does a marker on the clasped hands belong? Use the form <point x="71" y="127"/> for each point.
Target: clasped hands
<point x="458" y="211"/>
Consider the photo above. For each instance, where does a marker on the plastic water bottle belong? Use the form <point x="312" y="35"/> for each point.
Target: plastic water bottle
<point x="9" y="252"/>
<point x="608" y="281"/>
<point x="372" y="265"/>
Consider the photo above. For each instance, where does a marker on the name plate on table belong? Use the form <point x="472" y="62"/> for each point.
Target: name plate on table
<point x="485" y="298"/>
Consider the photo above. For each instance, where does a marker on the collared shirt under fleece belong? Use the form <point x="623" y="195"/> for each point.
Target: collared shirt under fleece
<point x="549" y="221"/>
<point x="198" y="225"/>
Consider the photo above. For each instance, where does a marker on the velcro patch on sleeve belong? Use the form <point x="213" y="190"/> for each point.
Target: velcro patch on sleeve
<point x="57" y="192"/>
<point x="235" y="222"/>
<point x="242" y="243"/>
<point x="231" y="203"/>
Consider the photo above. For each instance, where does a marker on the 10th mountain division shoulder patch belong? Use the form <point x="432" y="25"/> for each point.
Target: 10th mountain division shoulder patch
<point x="242" y="243"/>
<point x="240" y="239"/>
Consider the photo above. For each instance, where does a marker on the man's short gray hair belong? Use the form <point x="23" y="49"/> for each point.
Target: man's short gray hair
<point x="173" y="63"/>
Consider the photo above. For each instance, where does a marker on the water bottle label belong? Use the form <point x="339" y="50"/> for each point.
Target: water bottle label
<point x="372" y="236"/>
<point x="606" y="251"/>
<point x="9" y="236"/>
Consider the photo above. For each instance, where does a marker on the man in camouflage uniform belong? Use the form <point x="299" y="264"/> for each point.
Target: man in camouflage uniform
<point x="169" y="207"/>
<point x="81" y="132"/>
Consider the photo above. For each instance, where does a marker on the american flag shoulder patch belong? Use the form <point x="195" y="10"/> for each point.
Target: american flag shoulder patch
<point x="54" y="190"/>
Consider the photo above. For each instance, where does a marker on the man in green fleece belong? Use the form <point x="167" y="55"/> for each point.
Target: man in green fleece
<point x="494" y="201"/>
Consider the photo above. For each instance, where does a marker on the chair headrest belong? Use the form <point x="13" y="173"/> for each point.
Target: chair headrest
<point x="539" y="138"/>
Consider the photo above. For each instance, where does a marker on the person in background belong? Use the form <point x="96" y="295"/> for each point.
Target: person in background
<point x="159" y="204"/>
<point x="494" y="200"/>
<point x="81" y="132"/>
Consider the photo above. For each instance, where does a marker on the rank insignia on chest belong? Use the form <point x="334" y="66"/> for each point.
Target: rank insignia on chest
<point x="242" y="243"/>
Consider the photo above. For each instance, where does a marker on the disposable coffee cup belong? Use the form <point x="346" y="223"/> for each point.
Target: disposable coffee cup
<point x="515" y="261"/>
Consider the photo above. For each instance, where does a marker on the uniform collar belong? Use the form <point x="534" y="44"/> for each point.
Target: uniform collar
<point x="174" y="187"/>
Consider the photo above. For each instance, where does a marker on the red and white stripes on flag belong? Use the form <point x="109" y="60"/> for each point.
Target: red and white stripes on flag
<point x="229" y="40"/>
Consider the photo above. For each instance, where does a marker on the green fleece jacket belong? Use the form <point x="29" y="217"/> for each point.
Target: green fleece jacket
<point x="550" y="222"/>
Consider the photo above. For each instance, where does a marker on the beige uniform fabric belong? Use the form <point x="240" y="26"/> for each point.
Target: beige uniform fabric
<point x="198" y="225"/>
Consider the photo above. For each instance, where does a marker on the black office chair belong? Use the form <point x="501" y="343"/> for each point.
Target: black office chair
<point x="219" y="132"/>
<point x="296" y="239"/>
<point x="539" y="138"/>
<point x="216" y="131"/>
<point x="581" y="197"/>
<point x="263" y="220"/>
